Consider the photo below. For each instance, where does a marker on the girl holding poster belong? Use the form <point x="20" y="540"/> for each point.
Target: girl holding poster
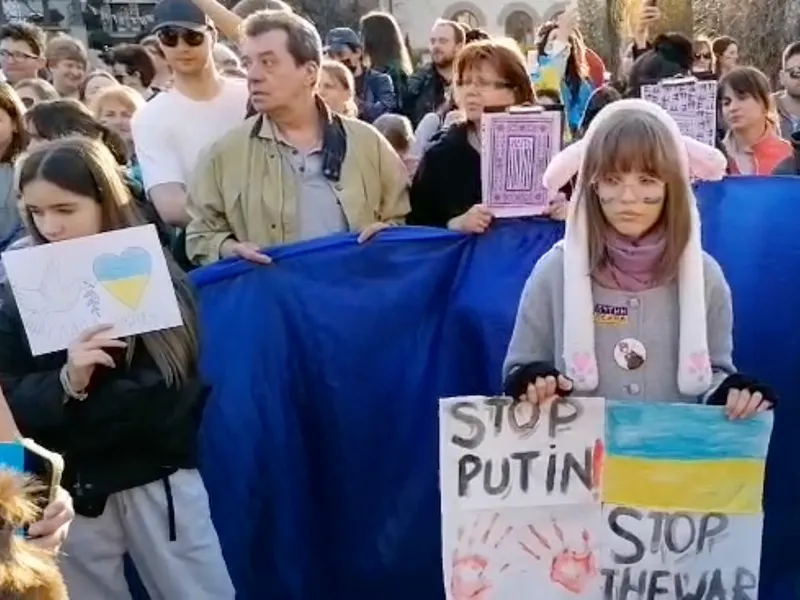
<point x="124" y="413"/>
<point x="628" y="305"/>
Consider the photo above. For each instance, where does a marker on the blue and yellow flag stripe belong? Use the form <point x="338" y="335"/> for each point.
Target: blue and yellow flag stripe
<point x="728" y="486"/>
<point x="684" y="457"/>
<point x="683" y="432"/>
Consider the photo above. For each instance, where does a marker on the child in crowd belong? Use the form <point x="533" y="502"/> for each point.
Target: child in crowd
<point x="67" y="61"/>
<point x="124" y="413"/>
<point x="648" y="315"/>
<point x="398" y="132"/>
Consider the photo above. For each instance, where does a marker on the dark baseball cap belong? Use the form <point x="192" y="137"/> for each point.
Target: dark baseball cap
<point x="340" y="38"/>
<point x="179" y="13"/>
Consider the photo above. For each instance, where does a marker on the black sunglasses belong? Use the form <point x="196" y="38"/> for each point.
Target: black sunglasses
<point x="170" y="36"/>
<point x="794" y="72"/>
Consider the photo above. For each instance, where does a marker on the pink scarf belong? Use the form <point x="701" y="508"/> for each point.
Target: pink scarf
<point x="629" y="264"/>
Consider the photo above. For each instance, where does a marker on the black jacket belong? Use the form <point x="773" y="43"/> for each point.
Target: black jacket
<point x="790" y="165"/>
<point x="447" y="181"/>
<point x="130" y="431"/>
<point x="425" y="92"/>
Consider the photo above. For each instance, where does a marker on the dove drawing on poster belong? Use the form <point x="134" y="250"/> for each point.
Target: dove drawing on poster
<point x="119" y="277"/>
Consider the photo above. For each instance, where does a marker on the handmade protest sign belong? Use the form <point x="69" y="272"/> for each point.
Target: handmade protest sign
<point x="516" y="148"/>
<point x="119" y="277"/>
<point x="520" y="497"/>
<point x="680" y="487"/>
<point x="682" y="494"/>
<point x="692" y="103"/>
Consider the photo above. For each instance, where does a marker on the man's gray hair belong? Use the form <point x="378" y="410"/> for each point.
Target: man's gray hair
<point x="303" y="43"/>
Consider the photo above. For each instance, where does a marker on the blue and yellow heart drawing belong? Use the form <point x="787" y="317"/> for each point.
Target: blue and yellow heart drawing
<point x="124" y="276"/>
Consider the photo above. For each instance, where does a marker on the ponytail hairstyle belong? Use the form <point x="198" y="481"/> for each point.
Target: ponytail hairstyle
<point x="86" y="167"/>
<point x="26" y="571"/>
<point x="66" y="117"/>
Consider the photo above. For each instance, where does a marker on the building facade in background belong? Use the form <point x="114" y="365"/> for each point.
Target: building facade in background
<point x="514" y="19"/>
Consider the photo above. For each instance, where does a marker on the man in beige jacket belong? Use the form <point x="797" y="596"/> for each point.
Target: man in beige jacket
<point x="294" y="171"/>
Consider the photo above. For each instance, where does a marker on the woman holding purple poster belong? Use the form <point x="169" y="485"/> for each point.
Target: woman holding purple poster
<point x="489" y="76"/>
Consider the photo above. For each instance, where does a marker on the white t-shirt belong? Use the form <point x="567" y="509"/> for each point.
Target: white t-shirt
<point x="171" y="130"/>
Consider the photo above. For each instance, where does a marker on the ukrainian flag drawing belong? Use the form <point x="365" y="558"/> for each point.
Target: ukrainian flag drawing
<point x="125" y="276"/>
<point x="684" y="457"/>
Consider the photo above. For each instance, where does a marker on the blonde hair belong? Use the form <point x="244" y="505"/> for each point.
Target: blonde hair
<point x="127" y="96"/>
<point x="627" y="141"/>
<point x="86" y="167"/>
<point x="344" y="77"/>
<point x="44" y="90"/>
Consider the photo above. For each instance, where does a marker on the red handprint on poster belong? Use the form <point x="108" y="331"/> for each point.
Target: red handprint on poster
<point x="574" y="569"/>
<point x="472" y="575"/>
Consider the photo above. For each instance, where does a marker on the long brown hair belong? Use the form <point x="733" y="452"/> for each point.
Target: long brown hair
<point x="632" y="140"/>
<point x="67" y="117"/>
<point x="86" y="167"/>
<point x="12" y="105"/>
<point x="577" y="68"/>
<point x="749" y="82"/>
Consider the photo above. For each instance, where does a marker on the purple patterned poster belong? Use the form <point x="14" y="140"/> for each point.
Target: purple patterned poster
<point x="516" y="148"/>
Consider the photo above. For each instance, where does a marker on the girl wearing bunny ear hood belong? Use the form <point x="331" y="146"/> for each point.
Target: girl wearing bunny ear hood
<point x="628" y="305"/>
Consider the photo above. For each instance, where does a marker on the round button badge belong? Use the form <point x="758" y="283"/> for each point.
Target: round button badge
<point x="630" y="354"/>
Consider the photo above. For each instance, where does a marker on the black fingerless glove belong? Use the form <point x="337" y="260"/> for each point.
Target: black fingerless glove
<point x="520" y="378"/>
<point x="740" y="381"/>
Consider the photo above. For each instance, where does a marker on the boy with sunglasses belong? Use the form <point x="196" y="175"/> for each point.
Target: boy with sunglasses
<point x="171" y="131"/>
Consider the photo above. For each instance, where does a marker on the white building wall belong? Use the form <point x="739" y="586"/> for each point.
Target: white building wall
<point x="416" y="17"/>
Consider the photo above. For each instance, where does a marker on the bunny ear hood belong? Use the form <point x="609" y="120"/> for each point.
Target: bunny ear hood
<point x="699" y="160"/>
<point x="694" y="369"/>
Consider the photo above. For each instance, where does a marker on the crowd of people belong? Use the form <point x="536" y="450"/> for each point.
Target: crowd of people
<point x="234" y="130"/>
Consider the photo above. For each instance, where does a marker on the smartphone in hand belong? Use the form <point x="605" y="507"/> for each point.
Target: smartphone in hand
<point x="46" y="467"/>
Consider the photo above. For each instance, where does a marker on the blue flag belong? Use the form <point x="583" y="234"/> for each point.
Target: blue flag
<point x="320" y="442"/>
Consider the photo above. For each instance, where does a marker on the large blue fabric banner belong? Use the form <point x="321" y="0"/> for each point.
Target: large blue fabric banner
<point x="320" y="441"/>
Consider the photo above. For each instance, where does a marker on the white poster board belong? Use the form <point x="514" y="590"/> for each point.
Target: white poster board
<point x="692" y="103"/>
<point x="119" y="277"/>
<point x="520" y="498"/>
<point x="526" y="511"/>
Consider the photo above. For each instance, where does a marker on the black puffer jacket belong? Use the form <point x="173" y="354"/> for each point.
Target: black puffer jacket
<point x="130" y="431"/>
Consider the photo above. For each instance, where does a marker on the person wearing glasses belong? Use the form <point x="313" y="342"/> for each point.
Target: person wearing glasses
<point x="173" y="128"/>
<point x="488" y="76"/>
<point x="133" y="66"/>
<point x="21" y="51"/>
<point x="787" y="101"/>
<point x="703" y="56"/>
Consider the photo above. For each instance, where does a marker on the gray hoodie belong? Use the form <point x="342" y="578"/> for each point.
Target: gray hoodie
<point x="649" y="318"/>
